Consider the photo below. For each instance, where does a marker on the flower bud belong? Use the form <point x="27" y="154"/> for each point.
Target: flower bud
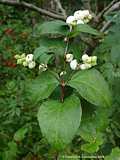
<point x="90" y="17"/>
<point x="31" y="64"/>
<point x="29" y="57"/>
<point x="25" y="64"/>
<point x="23" y="55"/>
<point x="94" y="60"/>
<point x="80" y="22"/>
<point x="86" y="20"/>
<point x="17" y="56"/>
<point x="65" y="39"/>
<point x="19" y="61"/>
<point x="69" y="57"/>
<point x="73" y="64"/>
<point x="89" y="60"/>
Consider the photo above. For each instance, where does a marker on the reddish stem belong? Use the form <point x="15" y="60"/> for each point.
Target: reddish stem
<point x="62" y="90"/>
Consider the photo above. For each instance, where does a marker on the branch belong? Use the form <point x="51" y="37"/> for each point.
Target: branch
<point x="115" y="7"/>
<point x="106" y="26"/>
<point x="101" y="14"/>
<point x="106" y="9"/>
<point x="31" y="7"/>
<point x="61" y="8"/>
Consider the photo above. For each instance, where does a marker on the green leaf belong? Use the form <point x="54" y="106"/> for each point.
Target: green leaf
<point x="11" y="152"/>
<point x="41" y="87"/>
<point x="91" y="85"/>
<point x="89" y="133"/>
<point x="52" y="27"/>
<point x="115" y="155"/>
<point x="41" y="55"/>
<point x="93" y="137"/>
<point x="93" y="124"/>
<point x="76" y="49"/>
<point x="55" y="45"/>
<point x="20" y="134"/>
<point x="90" y="147"/>
<point x="85" y="29"/>
<point x="94" y="119"/>
<point x="59" y="122"/>
<point x="115" y="54"/>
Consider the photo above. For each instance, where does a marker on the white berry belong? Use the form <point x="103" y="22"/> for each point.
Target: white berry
<point x="73" y="64"/>
<point x="29" y="57"/>
<point x="31" y="64"/>
<point x="69" y="57"/>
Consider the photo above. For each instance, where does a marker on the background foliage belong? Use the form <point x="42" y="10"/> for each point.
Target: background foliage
<point x="20" y="135"/>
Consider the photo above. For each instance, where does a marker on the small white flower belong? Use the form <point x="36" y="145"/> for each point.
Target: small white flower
<point x="73" y="64"/>
<point x="71" y="20"/>
<point x="31" y="64"/>
<point x="23" y="55"/>
<point x="43" y="67"/>
<point x="85" y="58"/>
<point x="90" y="17"/>
<point x="29" y="58"/>
<point x="85" y="66"/>
<point x="94" y="58"/>
<point x="69" y="57"/>
<point x="80" y="22"/>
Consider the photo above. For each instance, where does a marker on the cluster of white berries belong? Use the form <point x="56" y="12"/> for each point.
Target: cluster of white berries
<point x="79" y="17"/>
<point x="26" y="61"/>
<point x="88" y="62"/>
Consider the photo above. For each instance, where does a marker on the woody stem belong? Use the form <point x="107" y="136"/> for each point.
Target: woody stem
<point x="62" y="90"/>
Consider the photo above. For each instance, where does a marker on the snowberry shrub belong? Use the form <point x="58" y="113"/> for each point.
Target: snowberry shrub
<point x="60" y="67"/>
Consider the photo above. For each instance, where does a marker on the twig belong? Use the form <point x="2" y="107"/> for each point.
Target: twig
<point x="106" y="26"/>
<point x="31" y="7"/>
<point x="61" y="8"/>
<point x="115" y="7"/>
<point x="100" y="15"/>
<point x="98" y="20"/>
